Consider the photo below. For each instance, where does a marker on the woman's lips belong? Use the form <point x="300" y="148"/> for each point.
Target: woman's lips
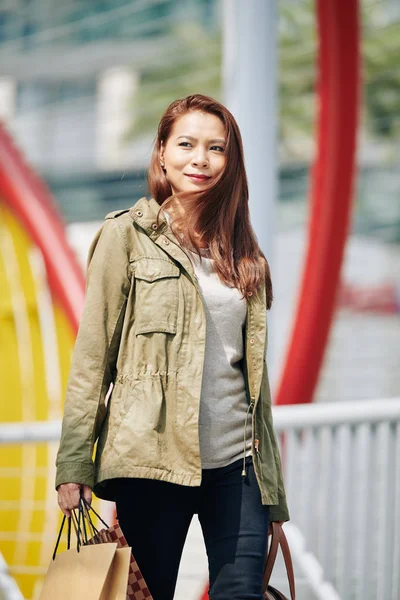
<point x="198" y="177"/>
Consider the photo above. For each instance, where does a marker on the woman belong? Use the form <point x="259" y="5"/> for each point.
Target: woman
<point x="175" y="317"/>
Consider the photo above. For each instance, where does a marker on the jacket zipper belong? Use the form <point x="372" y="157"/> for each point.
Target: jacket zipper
<point x="197" y="286"/>
<point x="250" y="408"/>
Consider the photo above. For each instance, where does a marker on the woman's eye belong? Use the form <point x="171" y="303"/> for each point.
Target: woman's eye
<point x="220" y="148"/>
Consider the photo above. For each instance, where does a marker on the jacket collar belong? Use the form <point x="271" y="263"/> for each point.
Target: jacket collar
<point x="144" y="213"/>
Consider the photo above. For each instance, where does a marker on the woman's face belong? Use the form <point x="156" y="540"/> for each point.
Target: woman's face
<point x="196" y="146"/>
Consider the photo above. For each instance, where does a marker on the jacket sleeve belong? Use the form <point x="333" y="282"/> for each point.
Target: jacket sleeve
<point x="95" y="353"/>
<point x="279" y="512"/>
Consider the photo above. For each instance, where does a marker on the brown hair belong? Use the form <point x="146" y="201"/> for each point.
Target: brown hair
<point x="220" y="213"/>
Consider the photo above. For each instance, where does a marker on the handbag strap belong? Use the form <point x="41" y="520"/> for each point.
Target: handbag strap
<point x="271" y="555"/>
<point x="279" y="538"/>
<point x="288" y="562"/>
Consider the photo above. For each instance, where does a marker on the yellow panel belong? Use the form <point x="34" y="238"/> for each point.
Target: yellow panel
<point x="28" y="506"/>
<point x="26" y="472"/>
<point x="35" y="404"/>
<point x="66" y="341"/>
<point x="9" y="364"/>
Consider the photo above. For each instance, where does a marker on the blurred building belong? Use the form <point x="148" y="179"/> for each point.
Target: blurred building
<point x="68" y="74"/>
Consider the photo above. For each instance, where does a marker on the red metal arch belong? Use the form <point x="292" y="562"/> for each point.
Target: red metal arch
<point x="331" y="196"/>
<point x="29" y="199"/>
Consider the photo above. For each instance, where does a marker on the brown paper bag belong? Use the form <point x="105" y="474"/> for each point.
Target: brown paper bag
<point x="87" y="572"/>
<point x="117" y="578"/>
<point x="80" y="575"/>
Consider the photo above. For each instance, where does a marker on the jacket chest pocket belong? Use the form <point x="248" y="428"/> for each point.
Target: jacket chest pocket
<point x="156" y="296"/>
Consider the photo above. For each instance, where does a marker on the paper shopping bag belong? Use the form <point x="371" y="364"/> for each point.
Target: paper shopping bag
<point x="89" y="572"/>
<point x="117" y="577"/>
<point x="137" y="588"/>
<point x="80" y="575"/>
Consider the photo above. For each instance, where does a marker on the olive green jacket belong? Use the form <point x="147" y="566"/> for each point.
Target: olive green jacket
<point x="143" y="329"/>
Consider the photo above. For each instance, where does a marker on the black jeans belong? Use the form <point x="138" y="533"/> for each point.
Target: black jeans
<point x="155" y="517"/>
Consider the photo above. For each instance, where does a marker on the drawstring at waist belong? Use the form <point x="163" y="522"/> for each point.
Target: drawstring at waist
<point x="250" y="408"/>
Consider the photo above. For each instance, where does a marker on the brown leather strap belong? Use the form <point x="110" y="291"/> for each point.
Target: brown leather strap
<point x="279" y="538"/>
<point x="271" y="556"/>
<point x="288" y="563"/>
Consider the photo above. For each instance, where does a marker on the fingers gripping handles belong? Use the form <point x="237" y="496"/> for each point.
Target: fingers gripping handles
<point x="81" y="524"/>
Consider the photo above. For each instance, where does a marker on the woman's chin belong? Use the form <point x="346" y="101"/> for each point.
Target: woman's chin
<point x="196" y="185"/>
<point x="190" y="186"/>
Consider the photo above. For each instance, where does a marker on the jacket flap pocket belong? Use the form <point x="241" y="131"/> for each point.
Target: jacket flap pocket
<point x="151" y="269"/>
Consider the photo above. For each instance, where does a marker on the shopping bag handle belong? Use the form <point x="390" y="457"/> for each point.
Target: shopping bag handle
<point x="76" y="522"/>
<point x="94" y="531"/>
<point x="88" y="507"/>
<point x="59" y="535"/>
<point x="79" y="524"/>
<point x="84" y="508"/>
<point x="82" y="514"/>
<point x="81" y="534"/>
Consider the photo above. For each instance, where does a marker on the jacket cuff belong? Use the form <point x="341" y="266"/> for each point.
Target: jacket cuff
<point x="72" y="472"/>
<point x="278" y="513"/>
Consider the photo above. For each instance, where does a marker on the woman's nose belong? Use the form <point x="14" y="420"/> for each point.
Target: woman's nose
<point x="200" y="160"/>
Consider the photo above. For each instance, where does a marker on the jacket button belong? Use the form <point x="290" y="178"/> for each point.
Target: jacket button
<point x="251" y="340"/>
<point x="166" y="241"/>
<point x="139" y="213"/>
<point x="154" y="225"/>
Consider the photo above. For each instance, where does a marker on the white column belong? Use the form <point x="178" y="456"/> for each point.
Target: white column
<point x="7" y="98"/>
<point x="250" y="93"/>
<point x="114" y="112"/>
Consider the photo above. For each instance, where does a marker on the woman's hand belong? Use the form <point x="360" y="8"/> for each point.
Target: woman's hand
<point x="69" y="494"/>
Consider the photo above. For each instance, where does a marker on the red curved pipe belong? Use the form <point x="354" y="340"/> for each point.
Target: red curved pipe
<point x="28" y="198"/>
<point x="331" y="196"/>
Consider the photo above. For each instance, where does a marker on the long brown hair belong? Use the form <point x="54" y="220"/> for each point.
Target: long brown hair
<point x="219" y="213"/>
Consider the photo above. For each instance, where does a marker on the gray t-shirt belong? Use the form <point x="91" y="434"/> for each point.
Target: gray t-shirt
<point x="223" y="403"/>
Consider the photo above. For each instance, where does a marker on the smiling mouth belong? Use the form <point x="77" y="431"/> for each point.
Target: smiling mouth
<point x="198" y="177"/>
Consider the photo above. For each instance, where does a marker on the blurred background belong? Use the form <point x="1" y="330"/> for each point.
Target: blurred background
<point x="83" y="85"/>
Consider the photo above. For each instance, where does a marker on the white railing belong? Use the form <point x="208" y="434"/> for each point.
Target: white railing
<point x="8" y="588"/>
<point x="24" y="432"/>
<point x="342" y="477"/>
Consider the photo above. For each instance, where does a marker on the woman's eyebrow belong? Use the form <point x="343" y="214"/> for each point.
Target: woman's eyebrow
<point x="190" y="137"/>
